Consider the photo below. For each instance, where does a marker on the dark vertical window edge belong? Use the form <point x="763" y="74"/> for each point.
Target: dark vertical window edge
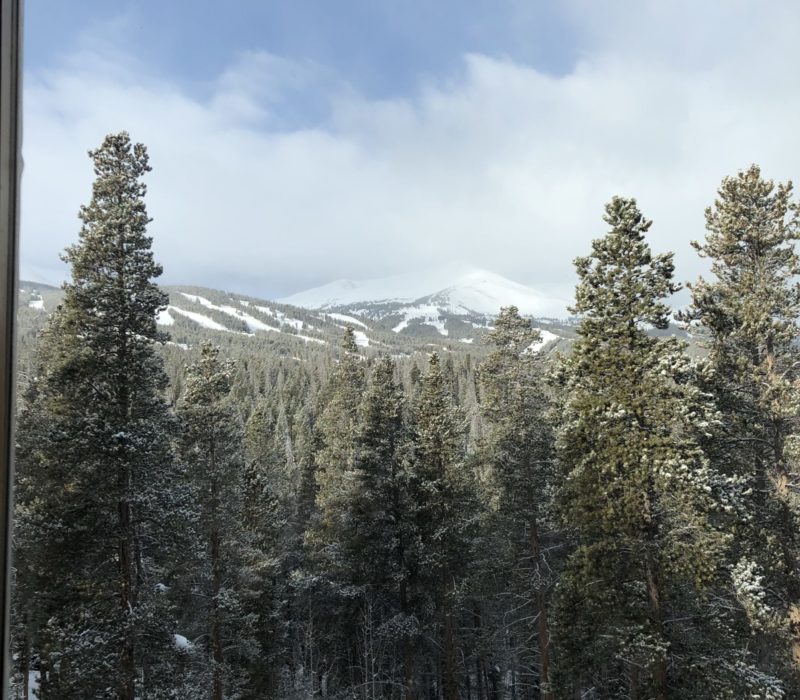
<point x="10" y="169"/>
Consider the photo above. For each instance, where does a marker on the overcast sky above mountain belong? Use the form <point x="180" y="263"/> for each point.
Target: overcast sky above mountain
<point x="294" y="142"/>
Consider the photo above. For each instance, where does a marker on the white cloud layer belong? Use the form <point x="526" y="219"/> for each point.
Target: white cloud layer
<point x="500" y="166"/>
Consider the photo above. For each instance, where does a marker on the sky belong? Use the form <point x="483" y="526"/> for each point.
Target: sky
<point x="295" y="142"/>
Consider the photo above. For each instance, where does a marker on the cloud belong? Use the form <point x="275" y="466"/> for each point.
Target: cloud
<point x="284" y="176"/>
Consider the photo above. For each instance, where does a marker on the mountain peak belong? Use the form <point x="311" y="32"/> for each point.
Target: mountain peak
<point x="457" y="288"/>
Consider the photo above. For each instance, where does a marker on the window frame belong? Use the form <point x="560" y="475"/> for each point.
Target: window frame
<point x="10" y="171"/>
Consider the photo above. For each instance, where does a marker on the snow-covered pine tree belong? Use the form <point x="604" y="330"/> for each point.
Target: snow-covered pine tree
<point x="445" y="513"/>
<point x="331" y="597"/>
<point x="30" y="566"/>
<point x="750" y="311"/>
<point x="95" y="515"/>
<point x="306" y="446"/>
<point x="630" y="617"/>
<point x="380" y="528"/>
<point x="272" y="538"/>
<point x="337" y="425"/>
<point x="211" y="450"/>
<point x="519" y="450"/>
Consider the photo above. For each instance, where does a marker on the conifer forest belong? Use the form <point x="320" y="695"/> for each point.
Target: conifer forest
<point x="615" y="519"/>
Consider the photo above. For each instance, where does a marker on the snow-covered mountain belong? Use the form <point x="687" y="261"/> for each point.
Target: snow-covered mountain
<point x="453" y="290"/>
<point x="453" y="307"/>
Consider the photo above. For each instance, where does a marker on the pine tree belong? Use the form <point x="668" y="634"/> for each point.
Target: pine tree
<point x="211" y="444"/>
<point x="273" y="537"/>
<point x="750" y="313"/>
<point x="334" y="609"/>
<point x="520" y="453"/>
<point x="445" y="512"/>
<point x="630" y="615"/>
<point x="381" y="527"/>
<point x="96" y="476"/>
<point x="338" y="424"/>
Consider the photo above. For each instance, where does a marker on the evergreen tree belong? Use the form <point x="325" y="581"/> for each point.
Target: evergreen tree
<point x="380" y="529"/>
<point x="750" y="314"/>
<point x="95" y="512"/>
<point x="332" y="602"/>
<point x="631" y="619"/>
<point x="520" y="452"/>
<point x="445" y="513"/>
<point x="273" y="535"/>
<point x="338" y="425"/>
<point x="211" y="445"/>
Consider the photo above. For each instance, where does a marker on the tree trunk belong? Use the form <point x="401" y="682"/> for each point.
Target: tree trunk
<point x="25" y="661"/>
<point x="542" y="631"/>
<point x="408" y="650"/>
<point x="494" y="679"/>
<point x="479" y="677"/>
<point x="634" y="683"/>
<point x="450" y="680"/>
<point x="126" y="663"/>
<point x="660" y="668"/>
<point x="44" y="676"/>
<point x="479" y="666"/>
<point x="216" y="622"/>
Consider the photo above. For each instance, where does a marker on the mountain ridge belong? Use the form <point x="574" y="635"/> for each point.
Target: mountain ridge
<point x="457" y="289"/>
<point x="196" y="313"/>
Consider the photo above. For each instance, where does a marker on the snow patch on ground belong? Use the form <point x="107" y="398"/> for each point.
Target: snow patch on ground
<point x="293" y="322"/>
<point x="282" y="318"/>
<point x="252" y="323"/>
<point x="182" y="643"/>
<point x="197" y="299"/>
<point x="427" y="313"/>
<point x="466" y="340"/>
<point x="164" y="319"/>
<point x="344" y="318"/>
<point x="361" y="339"/>
<point x="438" y="324"/>
<point x="200" y="320"/>
<point x="33" y="684"/>
<point x="308" y="339"/>
<point x="547" y="337"/>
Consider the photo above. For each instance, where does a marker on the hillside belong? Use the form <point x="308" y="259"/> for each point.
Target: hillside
<point x="451" y="301"/>
<point x="454" y="319"/>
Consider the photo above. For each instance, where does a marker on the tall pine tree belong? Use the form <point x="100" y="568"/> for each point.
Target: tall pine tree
<point x="96" y="477"/>
<point x="338" y="425"/>
<point x="636" y="489"/>
<point x="380" y="528"/>
<point x="445" y="515"/>
<point x="519" y="450"/>
<point x="749" y="311"/>
<point x="211" y="449"/>
<point x="330" y="590"/>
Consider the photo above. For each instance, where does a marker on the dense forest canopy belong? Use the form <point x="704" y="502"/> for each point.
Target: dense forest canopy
<point x="617" y="518"/>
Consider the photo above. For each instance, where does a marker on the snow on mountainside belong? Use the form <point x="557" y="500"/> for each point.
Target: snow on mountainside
<point x="454" y="290"/>
<point x="455" y="317"/>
